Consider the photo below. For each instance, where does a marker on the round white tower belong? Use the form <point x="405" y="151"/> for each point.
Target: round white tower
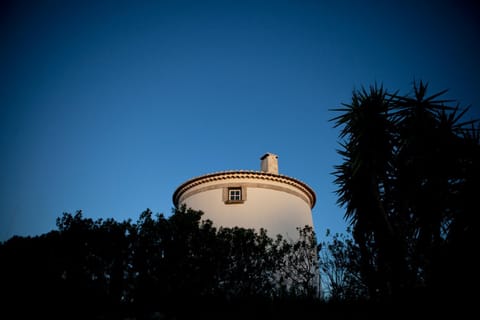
<point x="251" y="199"/>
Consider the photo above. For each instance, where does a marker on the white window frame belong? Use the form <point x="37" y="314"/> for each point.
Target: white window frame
<point x="234" y="194"/>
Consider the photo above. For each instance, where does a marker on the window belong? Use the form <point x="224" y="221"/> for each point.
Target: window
<point x="234" y="194"/>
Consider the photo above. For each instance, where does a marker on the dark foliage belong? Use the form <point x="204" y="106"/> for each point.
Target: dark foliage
<point x="156" y="267"/>
<point x="407" y="183"/>
<point x="340" y="269"/>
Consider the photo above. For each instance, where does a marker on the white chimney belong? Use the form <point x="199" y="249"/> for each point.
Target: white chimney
<point x="269" y="163"/>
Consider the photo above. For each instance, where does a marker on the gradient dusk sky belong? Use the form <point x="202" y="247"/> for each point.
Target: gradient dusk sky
<point x="108" y="106"/>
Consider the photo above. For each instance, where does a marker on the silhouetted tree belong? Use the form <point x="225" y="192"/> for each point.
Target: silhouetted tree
<point x="110" y="269"/>
<point x="405" y="179"/>
<point x="363" y="181"/>
<point x="340" y="269"/>
<point x="436" y="160"/>
<point x="300" y="268"/>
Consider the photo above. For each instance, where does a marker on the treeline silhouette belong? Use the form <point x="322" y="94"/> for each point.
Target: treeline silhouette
<point x="408" y="181"/>
<point x="156" y="266"/>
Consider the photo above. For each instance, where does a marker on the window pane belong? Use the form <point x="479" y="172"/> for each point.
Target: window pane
<point x="235" y="194"/>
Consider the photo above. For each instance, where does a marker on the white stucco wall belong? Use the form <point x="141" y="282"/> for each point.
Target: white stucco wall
<point x="278" y="207"/>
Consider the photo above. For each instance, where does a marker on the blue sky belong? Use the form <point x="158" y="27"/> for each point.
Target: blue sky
<point x="108" y="106"/>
